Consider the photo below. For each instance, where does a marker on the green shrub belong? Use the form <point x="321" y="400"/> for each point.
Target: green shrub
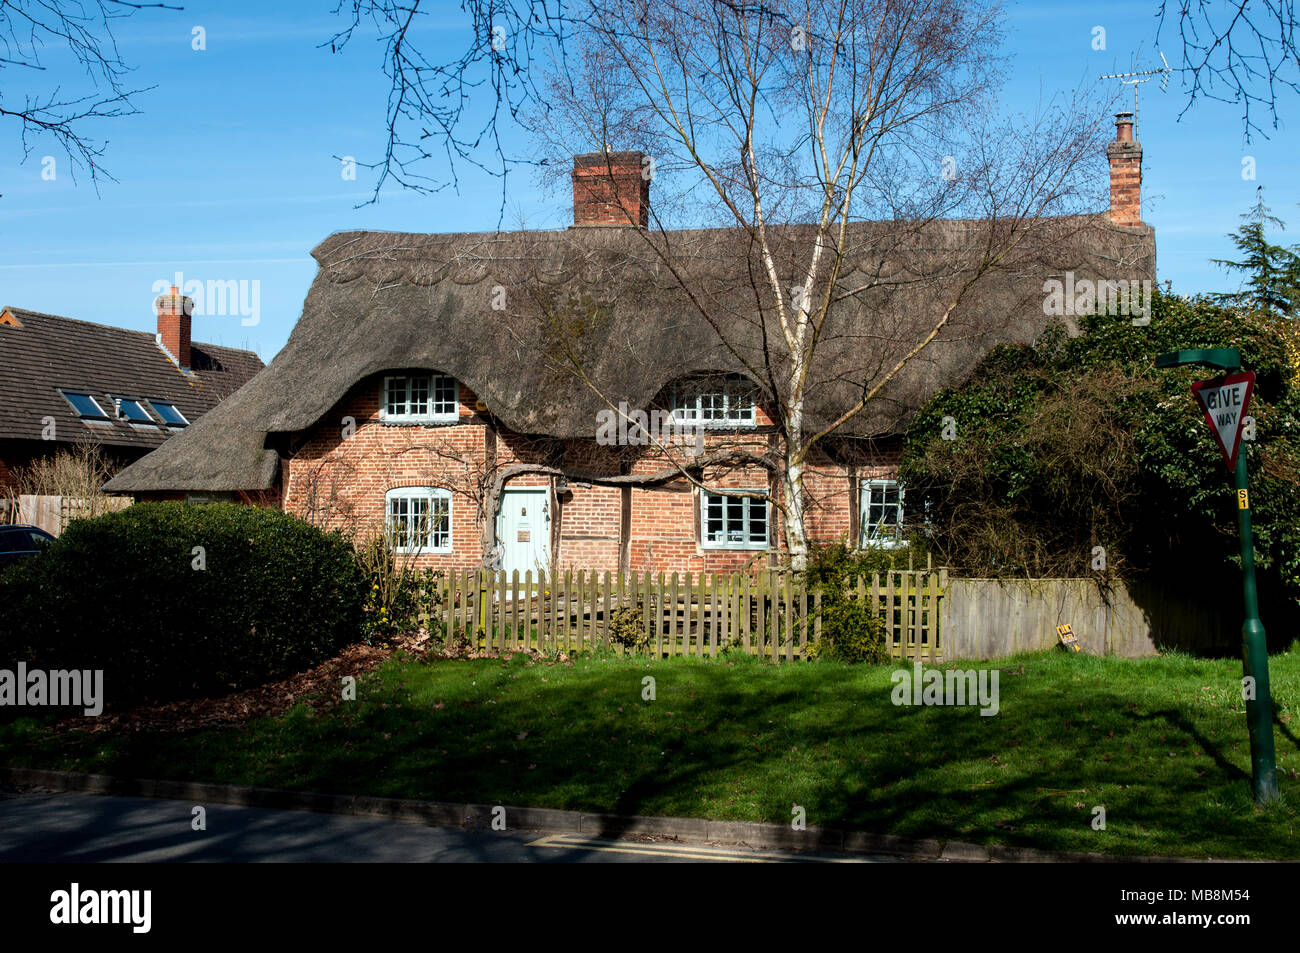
<point x="400" y="599"/>
<point x="175" y="600"/>
<point x="627" y="628"/>
<point x="837" y="565"/>
<point x="850" y="633"/>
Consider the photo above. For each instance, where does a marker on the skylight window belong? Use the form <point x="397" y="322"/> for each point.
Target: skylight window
<point x="131" y="410"/>
<point x="169" y="413"/>
<point x="85" y="406"/>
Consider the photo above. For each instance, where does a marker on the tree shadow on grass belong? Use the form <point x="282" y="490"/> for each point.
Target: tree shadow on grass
<point x="712" y="745"/>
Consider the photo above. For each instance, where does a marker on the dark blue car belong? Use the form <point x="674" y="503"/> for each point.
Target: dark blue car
<point x="20" y="541"/>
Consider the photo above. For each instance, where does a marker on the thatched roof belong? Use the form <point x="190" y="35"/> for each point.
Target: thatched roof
<point x="514" y="316"/>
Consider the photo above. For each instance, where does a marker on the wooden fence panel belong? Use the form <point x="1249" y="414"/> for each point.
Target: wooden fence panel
<point x="771" y="613"/>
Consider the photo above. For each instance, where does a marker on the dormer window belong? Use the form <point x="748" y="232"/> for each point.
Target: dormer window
<point x="87" y="407"/>
<point x="715" y="402"/>
<point x="419" y="399"/>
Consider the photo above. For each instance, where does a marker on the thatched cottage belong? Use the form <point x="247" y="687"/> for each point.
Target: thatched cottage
<point x="501" y="399"/>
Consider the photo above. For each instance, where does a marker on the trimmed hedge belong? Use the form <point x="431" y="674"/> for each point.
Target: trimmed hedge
<point x="175" y="600"/>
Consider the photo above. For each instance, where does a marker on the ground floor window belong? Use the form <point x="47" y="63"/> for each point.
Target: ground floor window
<point x="882" y="513"/>
<point x="419" y="519"/>
<point x="733" y="522"/>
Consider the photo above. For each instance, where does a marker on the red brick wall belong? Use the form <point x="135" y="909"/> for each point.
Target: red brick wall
<point x="338" y="473"/>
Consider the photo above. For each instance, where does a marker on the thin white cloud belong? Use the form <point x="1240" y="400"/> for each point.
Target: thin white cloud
<point x="169" y="263"/>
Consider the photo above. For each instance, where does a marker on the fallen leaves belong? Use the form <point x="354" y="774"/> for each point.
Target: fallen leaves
<point x="319" y="688"/>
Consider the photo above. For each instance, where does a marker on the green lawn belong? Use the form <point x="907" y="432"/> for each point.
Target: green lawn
<point x="1160" y="743"/>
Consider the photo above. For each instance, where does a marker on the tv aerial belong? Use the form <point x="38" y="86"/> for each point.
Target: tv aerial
<point x="1137" y="77"/>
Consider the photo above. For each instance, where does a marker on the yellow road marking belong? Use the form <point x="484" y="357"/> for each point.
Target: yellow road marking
<point x="578" y="842"/>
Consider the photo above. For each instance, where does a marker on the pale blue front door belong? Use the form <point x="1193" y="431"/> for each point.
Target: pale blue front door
<point x="524" y="531"/>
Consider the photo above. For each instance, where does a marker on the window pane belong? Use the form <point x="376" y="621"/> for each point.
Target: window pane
<point x="420" y="519"/>
<point x="419" y="399"/>
<point x="444" y="395"/>
<point x="882" y="510"/>
<point x="132" y="411"/>
<point x="419" y="522"/>
<point x="735" y="520"/>
<point x="397" y="520"/>
<point x="396" y="396"/>
<point x="736" y="509"/>
<point x="685" y="406"/>
<point x="441" y="536"/>
<point x="169" y="413"/>
<point x="85" y="405"/>
<point x="713" y="530"/>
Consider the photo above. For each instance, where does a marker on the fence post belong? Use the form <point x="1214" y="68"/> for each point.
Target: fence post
<point x="817" y="615"/>
<point x="744" y="610"/>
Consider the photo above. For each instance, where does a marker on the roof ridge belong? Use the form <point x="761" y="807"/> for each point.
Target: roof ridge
<point x="151" y="335"/>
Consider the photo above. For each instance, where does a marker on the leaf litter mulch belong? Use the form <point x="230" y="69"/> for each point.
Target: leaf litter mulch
<point x="319" y="688"/>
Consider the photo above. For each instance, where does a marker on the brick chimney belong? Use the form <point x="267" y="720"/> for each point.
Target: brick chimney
<point x="1125" y="155"/>
<point x="610" y="189"/>
<point x="174" y="312"/>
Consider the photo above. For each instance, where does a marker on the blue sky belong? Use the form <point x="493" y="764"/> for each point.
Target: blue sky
<point x="228" y="174"/>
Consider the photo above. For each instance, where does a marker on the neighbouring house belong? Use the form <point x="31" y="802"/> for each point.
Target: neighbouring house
<point x="65" y="383"/>
<point x="488" y="396"/>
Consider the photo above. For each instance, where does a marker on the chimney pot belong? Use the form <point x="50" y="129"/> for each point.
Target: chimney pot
<point x="1125" y="157"/>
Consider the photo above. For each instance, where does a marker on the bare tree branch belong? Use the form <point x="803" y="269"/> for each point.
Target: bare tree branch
<point x="82" y="29"/>
<point x="1236" y="51"/>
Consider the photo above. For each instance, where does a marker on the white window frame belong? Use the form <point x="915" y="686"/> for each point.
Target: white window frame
<point x="865" y="490"/>
<point x="690" y="398"/>
<point x="747" y="502"/>
<point x="424" y="493"/>
<point x="433" y="384"/>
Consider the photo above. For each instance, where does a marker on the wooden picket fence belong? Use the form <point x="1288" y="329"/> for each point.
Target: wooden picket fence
<point x="770" y="614"/>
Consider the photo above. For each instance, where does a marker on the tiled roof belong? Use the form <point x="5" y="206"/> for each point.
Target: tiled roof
<point x="45" y="353"/>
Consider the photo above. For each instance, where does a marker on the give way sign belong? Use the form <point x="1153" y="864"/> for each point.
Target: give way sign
<point x="1226" y="402"/>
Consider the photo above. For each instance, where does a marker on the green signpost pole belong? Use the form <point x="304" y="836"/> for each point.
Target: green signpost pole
<point x="1254" y="647"/>
<point x="1254" y="653"/>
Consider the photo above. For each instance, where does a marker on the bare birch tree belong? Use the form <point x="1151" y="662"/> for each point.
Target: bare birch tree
<point x="802" y="126"/>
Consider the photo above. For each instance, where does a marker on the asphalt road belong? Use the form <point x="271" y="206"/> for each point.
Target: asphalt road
<point x="87" y="828"/>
